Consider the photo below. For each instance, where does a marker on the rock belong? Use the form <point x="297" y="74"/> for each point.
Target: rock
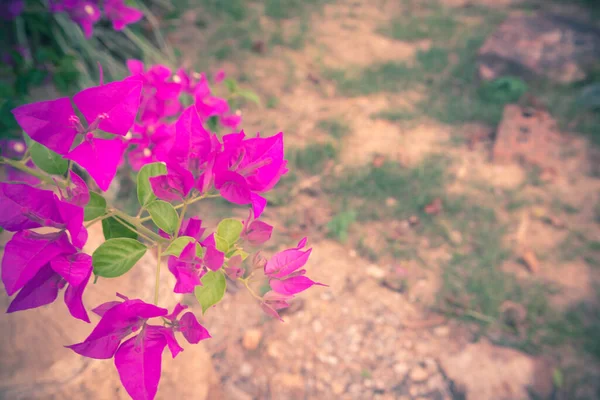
<point x="35" y="364"/>
<point x="441" y="331"/>
<point x="400" y="369"/>
<point x="419" y="374"/>
<point x="246" y="370"/>
<point x="556" y="47"/>
<point x="251" y="339"/>
<point x="375" y="272"/>
<point x="317" y="326"/>
<point x="530" y="135"/>
<point x="485" y="371"/>
<point x="287" y="386"/>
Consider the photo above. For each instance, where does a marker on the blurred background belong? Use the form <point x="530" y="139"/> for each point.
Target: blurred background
<point x="444" y="162"/>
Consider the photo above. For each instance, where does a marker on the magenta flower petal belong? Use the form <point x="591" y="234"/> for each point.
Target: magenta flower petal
<point x="42" y="289"/>
<point x="231" y="121"/>
<point x="191" y="329"/>
<point x="258" y="204"/>
<point x="49" y="123"/>
<point x="258" y="233"/>
<point x="135" y="67"/>
<point x="185" y="269"/>
<point x="114" y="105"/>
<point x="169" y="336"/>
<point x="192" y="227"/>
<point x="191" y="139"/>
<point x="104" y="307"/>
<point x="25" y="207"/>
<point x="138" y="362"/>
<point x="175" y="185"/>
<point x="120" y="14"/>
<point x="176" y="311"/>
<point x="213" y="258"/>
<point x="78" y="193"/>
<point x="27" y="252"/>
<point x="72" y="216"/>
<point x="116" y="323"/>
<point x="233" y="187"/>
<point x="74" y="268"/>
<point x="293" y="285"/>
<point x="100" y="158"/>
<point x="74" y="298"/>
<point x="286" y="262"/>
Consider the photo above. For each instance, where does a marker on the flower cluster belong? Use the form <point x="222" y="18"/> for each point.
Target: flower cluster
<point x="87" y="12"/>
<point x="164" y="95"/>
<point x="187" y="163"/>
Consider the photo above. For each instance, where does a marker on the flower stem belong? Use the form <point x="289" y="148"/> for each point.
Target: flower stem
<point x="33" y="172"/>
<point x="245" y="282"/>
<point x="157" y="283"/>
<point x="98" y="219"/>
<point x="187" y="203"/>
<point x="181" y="216"/>
<point x="137" y="223"/>
<point x="134" y="230"/>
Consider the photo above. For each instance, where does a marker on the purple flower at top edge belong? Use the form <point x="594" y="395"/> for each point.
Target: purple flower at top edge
<point x="10" y="9"/>
<point x="120" y="14"/>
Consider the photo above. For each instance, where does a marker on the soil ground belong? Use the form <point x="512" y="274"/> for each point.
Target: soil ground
<point x="449" y="276"/>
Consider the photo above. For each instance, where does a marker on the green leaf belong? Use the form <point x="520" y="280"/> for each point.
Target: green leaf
<point x="47" y="160"/>
<point x="230" y="229"/>
<point x="237" y="252"/>
<point x="95" y="208"/>
<point x="221" y="243"/>
<point x="164" y="215"/>
<point x="113" y="228"/>
<point x="249" y="95"/>
<point x="177" y="246"/>
<point x="231" y="85"/>
<point x="212" y="289"/>
<point x="144" y="190"/>
<point x="28" y="141"/>
<point x="557" y="378"/>
<point x="200" y="251"/>
<point x="116" y="256"/>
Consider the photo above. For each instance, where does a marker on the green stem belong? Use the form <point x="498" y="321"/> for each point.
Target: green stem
<point x="181" y="216"/>
<point x="141" y="229"/>
<point x="98" y="219"/>
<point x="33" y="172"/>
<point x="245" y="282"/>
<point x="157" y="283"/>
<point x="192" y="201"/>
<point x="137" y="232"/>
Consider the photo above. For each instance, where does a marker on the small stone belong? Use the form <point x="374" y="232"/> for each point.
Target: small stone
<point x="375" y="272"/>
<point x="391" y="202"/>
<point x="441" y="331"/>
<point x="368" y="383"/>
<point x="287" y="386"/>
<point x="419" y="374"/>
<point x="232" y="392"/>
<point x="246" y="370"/>
<point x="353" y="253"/>
<point x="401" y="369"/>
<point x="251" y="339"/>
<point x="338" y="388"/>
<point x="274" y="350"/>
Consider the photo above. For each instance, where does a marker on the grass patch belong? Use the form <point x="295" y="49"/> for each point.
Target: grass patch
<point x="394" y="115"/>
<point x="386" y="77"/>
<point x="312" y="158"/>
<point x="438" y="26"/>
<point x="284" y="9"/>
<point x="339" y="225"/>
<point x="334" y="127"/>
<point x="412" y="188"/>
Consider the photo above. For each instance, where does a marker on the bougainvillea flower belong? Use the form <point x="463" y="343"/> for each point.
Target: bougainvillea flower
<point x="100" y="158"/>
<point x="256" y="232"/>
<point x="10" y="9"/>
<point x="120" y="14"/>
<point x="191" y="329"/>
<point x="292" y="285"/>
<point x="188" y="268"/>
<point x="273" y="301"/>
<point x="50" y="123"/>
<point x="111" y="107"/>
<point x="192" y="141"/>
<point x="209" y="106"/>
<point x="26" y="207"/>
<point x="85" y="13"/>
<point x="286" y="262"/>
<point x="175" y="185"/>
<point x="116" y="323"/>
<point x="77" y="192"/>
<point x="192" y="227"/>
<point x="27" y="252"/>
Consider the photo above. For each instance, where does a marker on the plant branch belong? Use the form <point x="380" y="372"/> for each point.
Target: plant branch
<point x="157" y="283"/>
<point x="137" y="223"/>
<point x="245" y="282"/>
<point x="33" y="172"/>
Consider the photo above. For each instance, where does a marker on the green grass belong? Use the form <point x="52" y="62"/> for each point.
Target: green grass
<point x="335" y="127"/>
<point x="395" y="115"/>
<point x="433" y="60"/>
<point x="412" y="188"/>
<point x="385" y="77"/>
<point x="284" y="9"/>
<point x="438" y="26"/>
<point x="312" y="158"/>
<point x="339" y="225"/>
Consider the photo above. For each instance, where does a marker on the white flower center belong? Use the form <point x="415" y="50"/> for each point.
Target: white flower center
<point x="176" y="79"/>
<point x="128" y="136"/>
<point x="147" y="153"/>
<point x="19" y="147"/>
<point x="89" y="10"/>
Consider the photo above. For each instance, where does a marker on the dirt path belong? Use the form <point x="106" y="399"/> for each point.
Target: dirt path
<point x="424" y="301"/>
